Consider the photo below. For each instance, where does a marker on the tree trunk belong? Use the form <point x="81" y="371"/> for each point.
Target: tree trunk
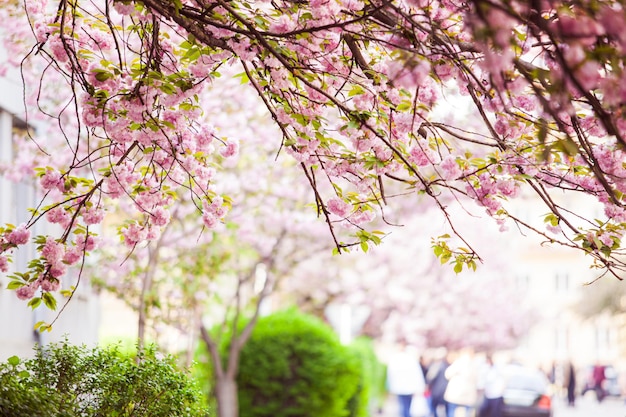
<point x="142" y="318"/>
<point x="226" y="395"/>
<point x="146" y="287"/>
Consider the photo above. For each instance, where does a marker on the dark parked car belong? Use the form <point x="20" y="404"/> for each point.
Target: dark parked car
<point x="526" y="393"/>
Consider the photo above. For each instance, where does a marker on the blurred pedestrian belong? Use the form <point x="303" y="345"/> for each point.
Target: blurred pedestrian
<point x="437" y="383"/>
<point x="598" y="378"/>
<point x="462" y="391"/>
<point x="493" y="385"/>
<point x="424" y="364"/>
<point x="569" y="383"/>
<point x="405" y="379"/>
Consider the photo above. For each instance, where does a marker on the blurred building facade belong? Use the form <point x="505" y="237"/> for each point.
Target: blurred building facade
<point x="556" y="281"/>
<point x="79" y="319"/>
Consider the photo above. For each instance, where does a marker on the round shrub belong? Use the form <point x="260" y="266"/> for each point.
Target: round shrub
<point x="294" y="366"/>
<point x="65" y="380"/>
<point x="370" y="392"/>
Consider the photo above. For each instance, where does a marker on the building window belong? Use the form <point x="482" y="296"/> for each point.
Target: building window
<point x="561" y="340"/>
<point x="561" y="282"/>
<point x="602" y="340"/>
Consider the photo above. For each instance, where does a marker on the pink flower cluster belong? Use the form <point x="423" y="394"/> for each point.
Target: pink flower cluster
<point x="350" y="108"/>
<point x="52" y="179"/>
<point x="56" y="258"/>
<point x="4" y="264"/>
<point x="213" y="212"/>
<point x="19" y="235"/>
<point x="408" y="74"/>
<point x="10" y="240"/>
<point x="28" y="291"/>
<point x="338" y="207"/>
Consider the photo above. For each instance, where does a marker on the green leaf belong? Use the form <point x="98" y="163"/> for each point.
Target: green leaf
<point x="244" y="77"/>
<point x="49" y="300"/>
<point x="13" y="285"/>
<point x="472" y="264"/>
<point x="552" y="219"/>
<point x="13" y="361"/>
<point x="458" y="267"/>
<point x="34" y="302"/>
<point x="42" y="326"/>
<point x="103" y="75"/>
<point x="404" y="106"/>
<point x="375" y="239"/>
<point x="445" y="257"/>
<point x="356" y="90"/>
<point x="66" y="293"/>
<point x="568" y="146"/>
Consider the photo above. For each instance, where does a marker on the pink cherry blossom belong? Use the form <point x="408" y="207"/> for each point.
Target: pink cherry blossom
<point x="408" y="75"/>
<point x="453" y="102"/>
<point x="160" y="216"/>
<point x="72" y="255"/>
<point x="59" y="215"/>
<point x="418" y="156"/>
<point x="50" y="284"/>
<point x="53" y="251"/>
<point x="134" y="234"/>
<point x="231" y="149"/>
<point x="450" y="168"/>
<point x="19" y="236"/>
<point x="210" y="220"/>
<point x="338" y="207"/>
<point x="284" y="24"/>
<point x="26" y="292"/>
<point x="93" y="216"/>
<point x="86" y="243"/>
<point x="4" y="264"/>
<point x="51" y="179"/>
<point x="607" y="239"/>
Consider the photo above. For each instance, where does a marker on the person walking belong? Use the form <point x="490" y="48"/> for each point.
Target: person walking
<point x="493" y="385"/>
<point x="437" y="383"/>
<point x="462" y="392"/>
<point x="570" y="383"/>
<point x="405" y="379"/>
<point x="598" y="378"/>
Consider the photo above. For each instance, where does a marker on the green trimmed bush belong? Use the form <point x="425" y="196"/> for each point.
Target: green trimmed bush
<point x="369" y="394"/>
<point x="294" y="366"/>
<point x="63" y="380"/>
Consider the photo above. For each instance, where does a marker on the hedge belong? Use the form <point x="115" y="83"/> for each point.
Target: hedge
<point x="294" y="366"/>
<point x="63" y="380"/>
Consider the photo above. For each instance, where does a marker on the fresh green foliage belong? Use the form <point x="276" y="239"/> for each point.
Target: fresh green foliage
<point x="293" y="365"/>
<point x="74" y="381"/>
<point x="370" y="388"/>
<point x="372" y="385"/>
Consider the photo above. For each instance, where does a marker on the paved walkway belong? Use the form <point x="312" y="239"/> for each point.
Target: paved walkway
<point x="586" y="406"/>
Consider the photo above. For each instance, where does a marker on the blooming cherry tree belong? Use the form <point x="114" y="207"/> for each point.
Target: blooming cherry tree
<point x="408" y="296"/>
<point x="197" y="284"/>
<point x="361" y="92"/>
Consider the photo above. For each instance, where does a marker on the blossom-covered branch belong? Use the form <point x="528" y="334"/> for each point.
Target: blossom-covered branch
<point x="379" y="101"/>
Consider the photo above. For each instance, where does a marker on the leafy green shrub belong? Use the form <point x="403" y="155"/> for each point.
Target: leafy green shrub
<point x="202" y="373"/>
<point x="293" y="365"/>
<point x="369" y="392"/>
<point x="64" y="380"/>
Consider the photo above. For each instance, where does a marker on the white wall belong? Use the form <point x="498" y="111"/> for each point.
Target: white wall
<point x="79" y="321"/>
